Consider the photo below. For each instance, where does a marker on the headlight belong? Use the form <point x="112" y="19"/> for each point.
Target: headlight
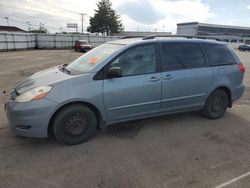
<point x="34" y="94"/>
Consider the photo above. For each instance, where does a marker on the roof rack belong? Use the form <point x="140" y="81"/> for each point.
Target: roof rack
<point x="131" y="37"/>
<point x="182" y="36"/>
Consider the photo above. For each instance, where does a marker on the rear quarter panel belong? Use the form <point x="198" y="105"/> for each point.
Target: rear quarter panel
<point x="229" y="76"/>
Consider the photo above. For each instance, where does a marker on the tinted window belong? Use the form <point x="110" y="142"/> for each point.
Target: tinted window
<point x="137" y="60"/>
<point x="219" y="54"/>
<point x="180" y="55"/>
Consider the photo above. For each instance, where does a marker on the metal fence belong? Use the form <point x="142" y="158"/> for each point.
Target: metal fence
<point x="16" y="41"/>
<point x="21" y="41"/>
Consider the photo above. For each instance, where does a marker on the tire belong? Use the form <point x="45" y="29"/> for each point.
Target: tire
<point x="216" y="105"/>
<point x="74" y="124"/>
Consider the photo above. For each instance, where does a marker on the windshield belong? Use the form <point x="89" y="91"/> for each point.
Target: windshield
<point x="83" y="42"/>
<point x="87" y="62"/>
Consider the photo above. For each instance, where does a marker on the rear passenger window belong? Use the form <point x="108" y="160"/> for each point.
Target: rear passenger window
<point x="219" y="54"/>
<point x="181" y="55"/>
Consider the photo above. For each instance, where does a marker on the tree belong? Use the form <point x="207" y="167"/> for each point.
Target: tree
<point x="105" y="19"/>
<point x="41" y="29"/>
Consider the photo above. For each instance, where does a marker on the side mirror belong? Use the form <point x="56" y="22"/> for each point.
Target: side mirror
<point x="114" y="72"/>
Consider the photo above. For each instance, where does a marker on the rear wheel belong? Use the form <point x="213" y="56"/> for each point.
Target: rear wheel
<point x="216" y="105"/>
<point x="74" y="124"/>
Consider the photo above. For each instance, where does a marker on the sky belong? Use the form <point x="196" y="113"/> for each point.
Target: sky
<point x="136" y="15"/>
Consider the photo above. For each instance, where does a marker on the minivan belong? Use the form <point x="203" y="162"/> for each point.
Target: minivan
<point x="125" y="80"/>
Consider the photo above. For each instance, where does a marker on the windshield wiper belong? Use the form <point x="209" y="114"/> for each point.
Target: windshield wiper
<point x="63" y="68"/>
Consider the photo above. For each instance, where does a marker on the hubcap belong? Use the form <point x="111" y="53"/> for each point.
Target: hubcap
<point x="216" y="105"/>
<point x="76" y="125"/>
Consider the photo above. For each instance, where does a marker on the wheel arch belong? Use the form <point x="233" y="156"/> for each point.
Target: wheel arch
<point x="227" y="91"/>
<point x="100" y="121"/>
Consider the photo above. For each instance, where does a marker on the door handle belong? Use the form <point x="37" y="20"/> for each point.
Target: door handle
<point x="154" y="79"/>
<point x="168" y="77"/>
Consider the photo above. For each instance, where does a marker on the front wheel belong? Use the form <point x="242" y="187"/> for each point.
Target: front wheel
<point x="216" y="105"/>
<point x="74" y="124"/>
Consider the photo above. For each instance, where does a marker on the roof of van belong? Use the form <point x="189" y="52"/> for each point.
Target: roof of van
<point x="161" y="39"/>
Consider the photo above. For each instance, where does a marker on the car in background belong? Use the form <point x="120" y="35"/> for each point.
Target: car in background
<point x="244" y="47"/>
<point x="82" y="46"/>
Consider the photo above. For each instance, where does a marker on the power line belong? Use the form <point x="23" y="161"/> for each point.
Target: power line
<point x="33" y="25"/>
<point x="71" y="11"/>
<point x="19" y="18"/>
<point x="57" y="17"/>
<point x="55" y="6"/>
<point x="36" y="16"/>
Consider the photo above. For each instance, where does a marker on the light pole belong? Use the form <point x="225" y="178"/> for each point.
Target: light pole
<point x="7" y="19"/>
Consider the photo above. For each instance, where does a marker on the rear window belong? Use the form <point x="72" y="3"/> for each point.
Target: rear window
<point x="181" y="55"/>
<point x="83" y="42"/>
<point x="219" y="54"/>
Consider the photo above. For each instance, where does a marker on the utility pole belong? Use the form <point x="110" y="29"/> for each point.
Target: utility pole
<point x="7" y="18"/>
<point x="82" y="15"/>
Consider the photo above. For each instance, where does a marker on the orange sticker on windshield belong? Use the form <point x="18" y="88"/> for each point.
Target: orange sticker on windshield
<point x="93" y="60"/>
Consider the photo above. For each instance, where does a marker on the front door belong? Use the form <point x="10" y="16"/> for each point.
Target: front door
<point x="138" y="92"/>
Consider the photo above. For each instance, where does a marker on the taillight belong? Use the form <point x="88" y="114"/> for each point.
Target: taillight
<point x="242" y="68"/>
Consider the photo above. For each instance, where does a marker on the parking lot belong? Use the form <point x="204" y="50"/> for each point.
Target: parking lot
<point x="181" y="150"/>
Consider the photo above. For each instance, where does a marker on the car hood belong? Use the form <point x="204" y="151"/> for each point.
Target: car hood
<point x="42" y="78"/>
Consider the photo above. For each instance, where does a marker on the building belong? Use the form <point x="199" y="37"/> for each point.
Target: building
<point x="225" y="32"/>
<point x="4" y="29"/>
<point x="141" y="33"/>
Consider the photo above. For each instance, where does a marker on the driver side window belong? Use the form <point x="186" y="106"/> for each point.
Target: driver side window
<point x="137" y="60"/>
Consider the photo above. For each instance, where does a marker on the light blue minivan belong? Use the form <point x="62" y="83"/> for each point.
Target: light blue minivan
<point x="125" y="80"/>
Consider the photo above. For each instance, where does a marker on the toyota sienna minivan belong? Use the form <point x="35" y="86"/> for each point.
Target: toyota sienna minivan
<point x="125" y="80"/>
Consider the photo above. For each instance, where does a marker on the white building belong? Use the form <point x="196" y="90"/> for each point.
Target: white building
<point x="225" y="32"/>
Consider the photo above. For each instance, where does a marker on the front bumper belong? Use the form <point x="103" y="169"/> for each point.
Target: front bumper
<point x="84" y="47"/>
<point x="30" y="119"/>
